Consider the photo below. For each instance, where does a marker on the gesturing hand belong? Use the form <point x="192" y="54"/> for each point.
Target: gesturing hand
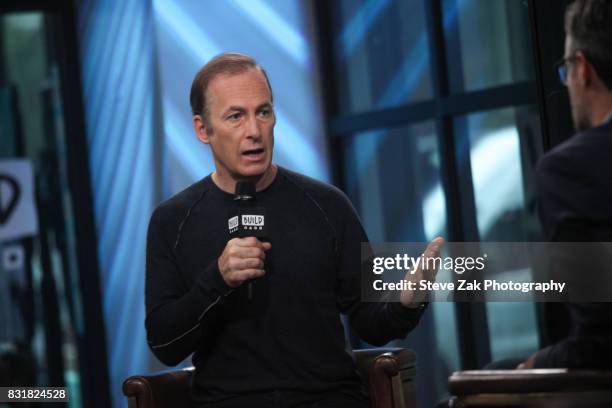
<point x="414" y="298"/>
<point x="242" y="260"/>
<point x="529" y="363"/>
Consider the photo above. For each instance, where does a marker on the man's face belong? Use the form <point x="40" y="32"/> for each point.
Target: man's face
<point x="576" y="66"/>
<point x="240" y="125"/>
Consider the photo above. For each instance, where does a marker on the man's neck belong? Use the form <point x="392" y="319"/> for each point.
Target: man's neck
<point x="601" y="111"/>
<point x="227" y="182"/>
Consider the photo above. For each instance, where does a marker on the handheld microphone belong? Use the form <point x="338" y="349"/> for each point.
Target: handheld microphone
<point x="246" y="219"/>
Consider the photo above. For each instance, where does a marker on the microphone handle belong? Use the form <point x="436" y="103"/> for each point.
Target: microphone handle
<point x="252" y="281"/>
<point x="248" y="207"/>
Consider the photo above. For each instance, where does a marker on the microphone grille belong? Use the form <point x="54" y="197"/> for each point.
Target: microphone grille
<point x="245" y="190"/>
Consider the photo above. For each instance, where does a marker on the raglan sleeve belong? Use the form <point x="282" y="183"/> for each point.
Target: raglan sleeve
<point x="375" y="322"/>
<point x="176" y="315"/>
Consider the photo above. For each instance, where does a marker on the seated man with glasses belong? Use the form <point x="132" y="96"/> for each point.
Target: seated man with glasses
<point x="575" y="179"/>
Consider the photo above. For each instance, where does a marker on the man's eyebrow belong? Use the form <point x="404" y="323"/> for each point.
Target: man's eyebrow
<point x="234" y="109"/>
<point x="242" y="109"/>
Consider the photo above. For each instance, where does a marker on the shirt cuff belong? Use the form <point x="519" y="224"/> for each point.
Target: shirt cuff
<point x="211" y="281"/>
<point x="405" y="315"/>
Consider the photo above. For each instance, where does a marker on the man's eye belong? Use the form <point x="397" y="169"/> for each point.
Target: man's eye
<point x="234" y="116"/>
<point x="265" y="113"/>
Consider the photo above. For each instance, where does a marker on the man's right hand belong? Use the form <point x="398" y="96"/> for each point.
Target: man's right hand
<point x="243" y="260"/>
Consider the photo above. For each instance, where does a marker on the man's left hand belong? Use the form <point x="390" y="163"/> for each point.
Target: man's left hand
<point x="529" y="363"/>
<point x="414" y="298"/>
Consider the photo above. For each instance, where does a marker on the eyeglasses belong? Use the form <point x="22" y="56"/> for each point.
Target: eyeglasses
<point x="561" y="67"/>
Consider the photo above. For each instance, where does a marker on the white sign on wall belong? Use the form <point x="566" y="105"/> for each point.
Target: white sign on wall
<point x="17" y="206"/>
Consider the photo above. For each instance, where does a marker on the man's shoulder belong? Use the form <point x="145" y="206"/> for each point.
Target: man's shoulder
<point x="320" y="190"/>
<point x="585" y="151"/>
<point x="329" y="200"/>
<point x="176" y="206"/>
<point x="557" y="157"/>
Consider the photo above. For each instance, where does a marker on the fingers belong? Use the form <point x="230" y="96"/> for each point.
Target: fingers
<point x="249" y="252"/>
<point x="242" y="260"/>
<point x="429" y="269"/>
<point x="257" y="249"/>
<point x="238" y="277"/>
<point x="250" y="242"/>
<point x="433" y="248"/>
<point x="237" y="264"/>
<point x="248" y="274"/>
<point x="426" y="270"/>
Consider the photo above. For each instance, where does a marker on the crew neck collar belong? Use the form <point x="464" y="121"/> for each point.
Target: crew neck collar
<point x="214" y="187"/>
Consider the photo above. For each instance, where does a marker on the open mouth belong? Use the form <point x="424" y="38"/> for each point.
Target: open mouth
<point x="253" y="152"/>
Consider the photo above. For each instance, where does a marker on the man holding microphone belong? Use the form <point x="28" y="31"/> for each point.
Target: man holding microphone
<point x="261" y="313"/>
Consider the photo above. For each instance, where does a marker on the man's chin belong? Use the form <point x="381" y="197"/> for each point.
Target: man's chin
<point x="253" y="171"/>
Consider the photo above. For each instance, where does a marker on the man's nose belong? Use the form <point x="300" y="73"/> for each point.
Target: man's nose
<point x="252" y="128"/>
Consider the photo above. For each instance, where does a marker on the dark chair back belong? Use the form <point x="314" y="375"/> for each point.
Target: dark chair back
<point x="388" y="372"/>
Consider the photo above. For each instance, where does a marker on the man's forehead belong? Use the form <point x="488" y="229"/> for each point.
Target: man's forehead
<point x="248" y="83"/>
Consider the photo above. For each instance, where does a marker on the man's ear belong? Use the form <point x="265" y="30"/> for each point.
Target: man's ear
<point x="584" y="69"/>
<point x="199" y="126"/>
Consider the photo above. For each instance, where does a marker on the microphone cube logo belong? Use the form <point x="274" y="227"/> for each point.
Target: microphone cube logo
<point x="232" y="224"/>
<point x="253" y="222"/>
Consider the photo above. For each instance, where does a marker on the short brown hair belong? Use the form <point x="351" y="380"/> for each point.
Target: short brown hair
<point x="588" y="23"/>
<point x="229" y="63"/>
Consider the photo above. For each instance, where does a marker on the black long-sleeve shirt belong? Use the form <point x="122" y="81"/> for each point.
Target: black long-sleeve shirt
<point x="289" y="335"/>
